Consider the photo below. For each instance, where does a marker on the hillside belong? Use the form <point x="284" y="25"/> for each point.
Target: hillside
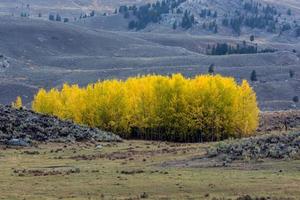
<point x="67" y="8"/>
<point x="49" y="54"/>
<point x="235" y="17"/>
<point x="150" y="99"/>
<point x="42" y="53"/>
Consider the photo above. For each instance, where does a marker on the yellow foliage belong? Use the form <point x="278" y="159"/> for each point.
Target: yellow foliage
<point x="18" y="103"/>
<point x="205" y="108"/>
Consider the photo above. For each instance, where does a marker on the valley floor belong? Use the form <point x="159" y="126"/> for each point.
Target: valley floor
<point x="135" y="170"/>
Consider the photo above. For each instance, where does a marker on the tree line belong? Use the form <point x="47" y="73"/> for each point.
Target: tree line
<point x="149" y="13"/>
<point x="244" y="48"/>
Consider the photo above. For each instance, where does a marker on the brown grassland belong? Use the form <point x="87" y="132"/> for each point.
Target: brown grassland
<point x="134" y="170"/>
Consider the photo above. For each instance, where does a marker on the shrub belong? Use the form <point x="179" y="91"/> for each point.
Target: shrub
<point x="205" y="108"/>
<point x="18" y="103"/>
<point x="291" y="73"/>
<point x="295" y="99"/>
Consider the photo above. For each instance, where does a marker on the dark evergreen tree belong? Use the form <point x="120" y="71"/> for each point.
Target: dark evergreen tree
<point x="126" y="15"/>
<point x="187" y="20"/>
<point x="291" y="73"/>
<point x="123" y="9"/>
<point x="295" y="99"/>
<point x="132" y="24"/>
<point x="51" y="17"/>
<point x="285" y="27"/>
<point x="215" y="14"/>
<point x="175" y="25"/>
<point x="297" y="32"/>
<point x="253" y="76"/>
<point x="211" y="69"/>
<point x="151" y="13"/>
<point x="225" y="22"/>
<point x="92" y="14"/>
<point x="58" y="18"/>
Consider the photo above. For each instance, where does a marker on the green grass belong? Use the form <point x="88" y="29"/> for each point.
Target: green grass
<point x="102" y="178"/>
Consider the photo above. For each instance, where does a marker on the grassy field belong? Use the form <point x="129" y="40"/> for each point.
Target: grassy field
<point x="134" y="170"/>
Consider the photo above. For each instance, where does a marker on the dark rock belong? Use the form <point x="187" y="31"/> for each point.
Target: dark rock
<point x="20" y="127"/>
<point x="17" y="142"/>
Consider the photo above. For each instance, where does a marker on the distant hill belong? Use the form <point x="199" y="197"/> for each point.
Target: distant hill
<point x="68" y="8"/>
<point x="233" y="17"/>
<point x="38" y="53"/>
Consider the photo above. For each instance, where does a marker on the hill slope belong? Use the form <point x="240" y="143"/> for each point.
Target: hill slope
<point x="47" y="54"/>
<point x="40" y="53"/>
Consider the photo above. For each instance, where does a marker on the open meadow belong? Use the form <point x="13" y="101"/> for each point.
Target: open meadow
<point x="137" y="170"/>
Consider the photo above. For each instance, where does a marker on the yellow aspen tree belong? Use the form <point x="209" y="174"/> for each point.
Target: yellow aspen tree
<point x="18" y="103"/>
<point x="176" y="108"/>
<point x="248" y="110"/>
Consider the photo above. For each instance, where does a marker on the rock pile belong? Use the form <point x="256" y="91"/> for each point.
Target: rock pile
<point x="21" y="127"/>
<point x="274" y="146"/>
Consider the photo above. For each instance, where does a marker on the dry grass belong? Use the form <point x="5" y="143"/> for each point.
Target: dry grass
<point x="132" y="170"/>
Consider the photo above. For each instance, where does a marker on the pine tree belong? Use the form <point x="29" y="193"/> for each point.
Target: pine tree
<point x="58" y="18"/>
<point x="253" y="76"/>
<point x="51" y="17"/>
<point x="211" y="69"/>
<point x="291" y="73"/>
<point x="175" y="25"/>
<point x="295" y="99"/>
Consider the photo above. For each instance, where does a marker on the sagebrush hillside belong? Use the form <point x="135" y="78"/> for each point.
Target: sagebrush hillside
<point x="38" y="53"/>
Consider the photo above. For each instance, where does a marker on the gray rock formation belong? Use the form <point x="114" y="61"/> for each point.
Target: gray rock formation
<point x="274" y="146"/>
<point x="21" y="127"/>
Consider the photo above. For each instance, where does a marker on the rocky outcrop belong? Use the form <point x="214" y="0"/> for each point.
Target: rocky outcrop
<point x="22" y="127"/>
<point x="273" y="146"/>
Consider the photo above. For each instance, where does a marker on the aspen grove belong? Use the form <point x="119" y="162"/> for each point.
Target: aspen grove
<point x="175" y="108"/>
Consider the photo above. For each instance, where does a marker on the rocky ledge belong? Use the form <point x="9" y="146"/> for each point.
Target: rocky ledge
<point x="19" y="127"/>
<point x="273" y="146"/>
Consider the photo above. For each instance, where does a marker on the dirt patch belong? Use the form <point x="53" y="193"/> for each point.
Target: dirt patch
<point x="131" y="153"/>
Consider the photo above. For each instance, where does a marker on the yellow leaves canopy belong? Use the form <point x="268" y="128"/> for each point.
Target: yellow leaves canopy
<point x="18" y="103"/>
<point x="158" y="107"/>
